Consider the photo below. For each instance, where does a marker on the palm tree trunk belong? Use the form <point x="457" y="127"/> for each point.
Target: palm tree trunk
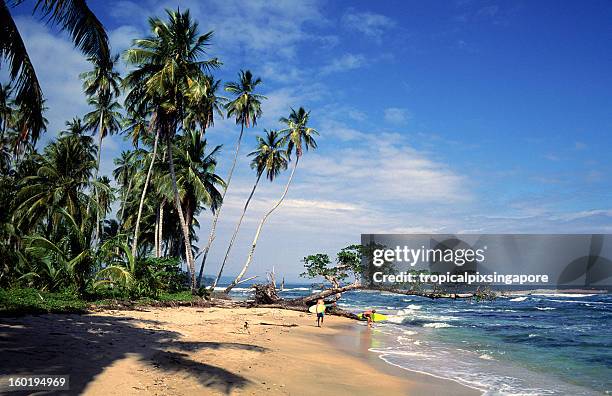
<point x="125" y="198"/>
<point x="161" y="227"/>
<point x="100" y="132"/>
<point x="211" y="236"/>
<point x="229" y="248"/>
<point x="184" y="226"/>
<point x="263" y="220"/>
<point x="156" y="231"/>
<point x="144" y="194"/>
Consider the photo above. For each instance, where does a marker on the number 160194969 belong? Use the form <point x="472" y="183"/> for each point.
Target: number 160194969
<point x="34" y="382"/>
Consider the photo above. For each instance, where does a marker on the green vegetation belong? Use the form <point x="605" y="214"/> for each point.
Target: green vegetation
<point x="32" y="301"/>
<point x="22" y="301"/>
<point x="348" y="265"/>
<point x="71" y="236"/>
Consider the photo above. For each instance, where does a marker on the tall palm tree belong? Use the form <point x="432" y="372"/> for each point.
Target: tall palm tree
<point x="102" y="85"/>
<point x="166" y="63"/>
<point x="106" y="118"/>
<point x="269" y="158"/>
<point x="196" y="176"/>
<point x="87" y="33"/>
<point x="246" y="108"/>
<point x="204" y="103"/>
<point x="299" y="137"/>
<point x="124" y="174"/>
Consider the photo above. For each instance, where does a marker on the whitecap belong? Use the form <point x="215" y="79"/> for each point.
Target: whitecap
<point x="486" y="357"/>
<point x="437" y="325"/>
<point x="576" y="295"/>
<point x="518" y="299"/>
<point x="545" y="308"/>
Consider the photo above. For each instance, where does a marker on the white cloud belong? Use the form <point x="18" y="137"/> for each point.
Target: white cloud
<point x="370" y="24"/>
<point x="58" y="65"/>
<point x="121" y="38"/>
<point x="259" y="28"/>
<point x="344" y="63"/>
<point x="396" y="115"/>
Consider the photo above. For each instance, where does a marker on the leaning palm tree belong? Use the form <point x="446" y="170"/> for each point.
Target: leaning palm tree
<point x="299" y="137"/>
<point x="245" y="108"/>
<point x="269" y="158"/>
<point x="166" y="64"/>
<point x="73" y="16"/>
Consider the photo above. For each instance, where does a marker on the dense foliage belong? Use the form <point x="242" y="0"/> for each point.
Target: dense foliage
<point x="68" y="230"/>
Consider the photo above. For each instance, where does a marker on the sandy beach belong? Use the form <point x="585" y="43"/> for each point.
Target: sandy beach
<point x="186" y="351"/>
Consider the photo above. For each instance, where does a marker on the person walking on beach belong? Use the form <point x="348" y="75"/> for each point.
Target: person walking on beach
<point x="320" y="312"/>
<point x="368" y="315"/>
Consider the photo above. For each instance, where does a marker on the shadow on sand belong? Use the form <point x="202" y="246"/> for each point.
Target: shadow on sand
<point x="83" y="346"/>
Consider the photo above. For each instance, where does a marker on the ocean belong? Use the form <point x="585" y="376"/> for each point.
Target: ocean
<point x="538" y="344"/>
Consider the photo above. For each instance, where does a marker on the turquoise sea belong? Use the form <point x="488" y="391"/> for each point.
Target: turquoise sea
<point x="538" y="344"/>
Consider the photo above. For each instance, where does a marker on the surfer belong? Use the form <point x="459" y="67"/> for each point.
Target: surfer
<point x="320" y="312"/>
<point x="368" y="315"/>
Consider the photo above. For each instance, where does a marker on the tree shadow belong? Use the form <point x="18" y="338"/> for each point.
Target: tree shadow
<point x="82" y="346"/>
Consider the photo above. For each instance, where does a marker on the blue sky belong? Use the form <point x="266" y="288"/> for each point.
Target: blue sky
<point x="459" y="116"/>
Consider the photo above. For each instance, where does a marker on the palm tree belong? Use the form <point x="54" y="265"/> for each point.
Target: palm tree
<point x="106" y="118"/>
<point x="246" y="108"/>
<point x="74" y="127"/>
<point x="166" y="64"/>
<point x="68" y="252"/>
<point x="73" y="16"/>
<point x="124" y="174"/>
<point x="271" y="158"/>
<point x="60" y="180"/>
<point x="196" y="176"/>
<point x="102" y="85"/>
<point x="204" y="104"/>
<point x="299" y="136"/>
<point x="6" y="107"/>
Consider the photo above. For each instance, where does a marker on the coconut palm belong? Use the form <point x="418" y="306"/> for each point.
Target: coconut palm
<point x="74" y="127"/>
<point x="204" y="103"/>
<point x="68" y="253"/>
<point x="166" y="64"/>
<point x="6" y="107"/>
<point x="246" y="109"/>
<point x="196" y="176"/>
<point x="124" y="174"/>
<point x="299" y="137"/>
<point x="102" y="85"/>
<point x="269" y="158"/>
<point x="63" y="174"/>
<point x="106" y="119"/>
<point x="87" y="33"/>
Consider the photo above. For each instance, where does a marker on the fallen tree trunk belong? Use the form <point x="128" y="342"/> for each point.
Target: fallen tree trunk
<point x="485" y="294"/>
<point x="326" y="293"/>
